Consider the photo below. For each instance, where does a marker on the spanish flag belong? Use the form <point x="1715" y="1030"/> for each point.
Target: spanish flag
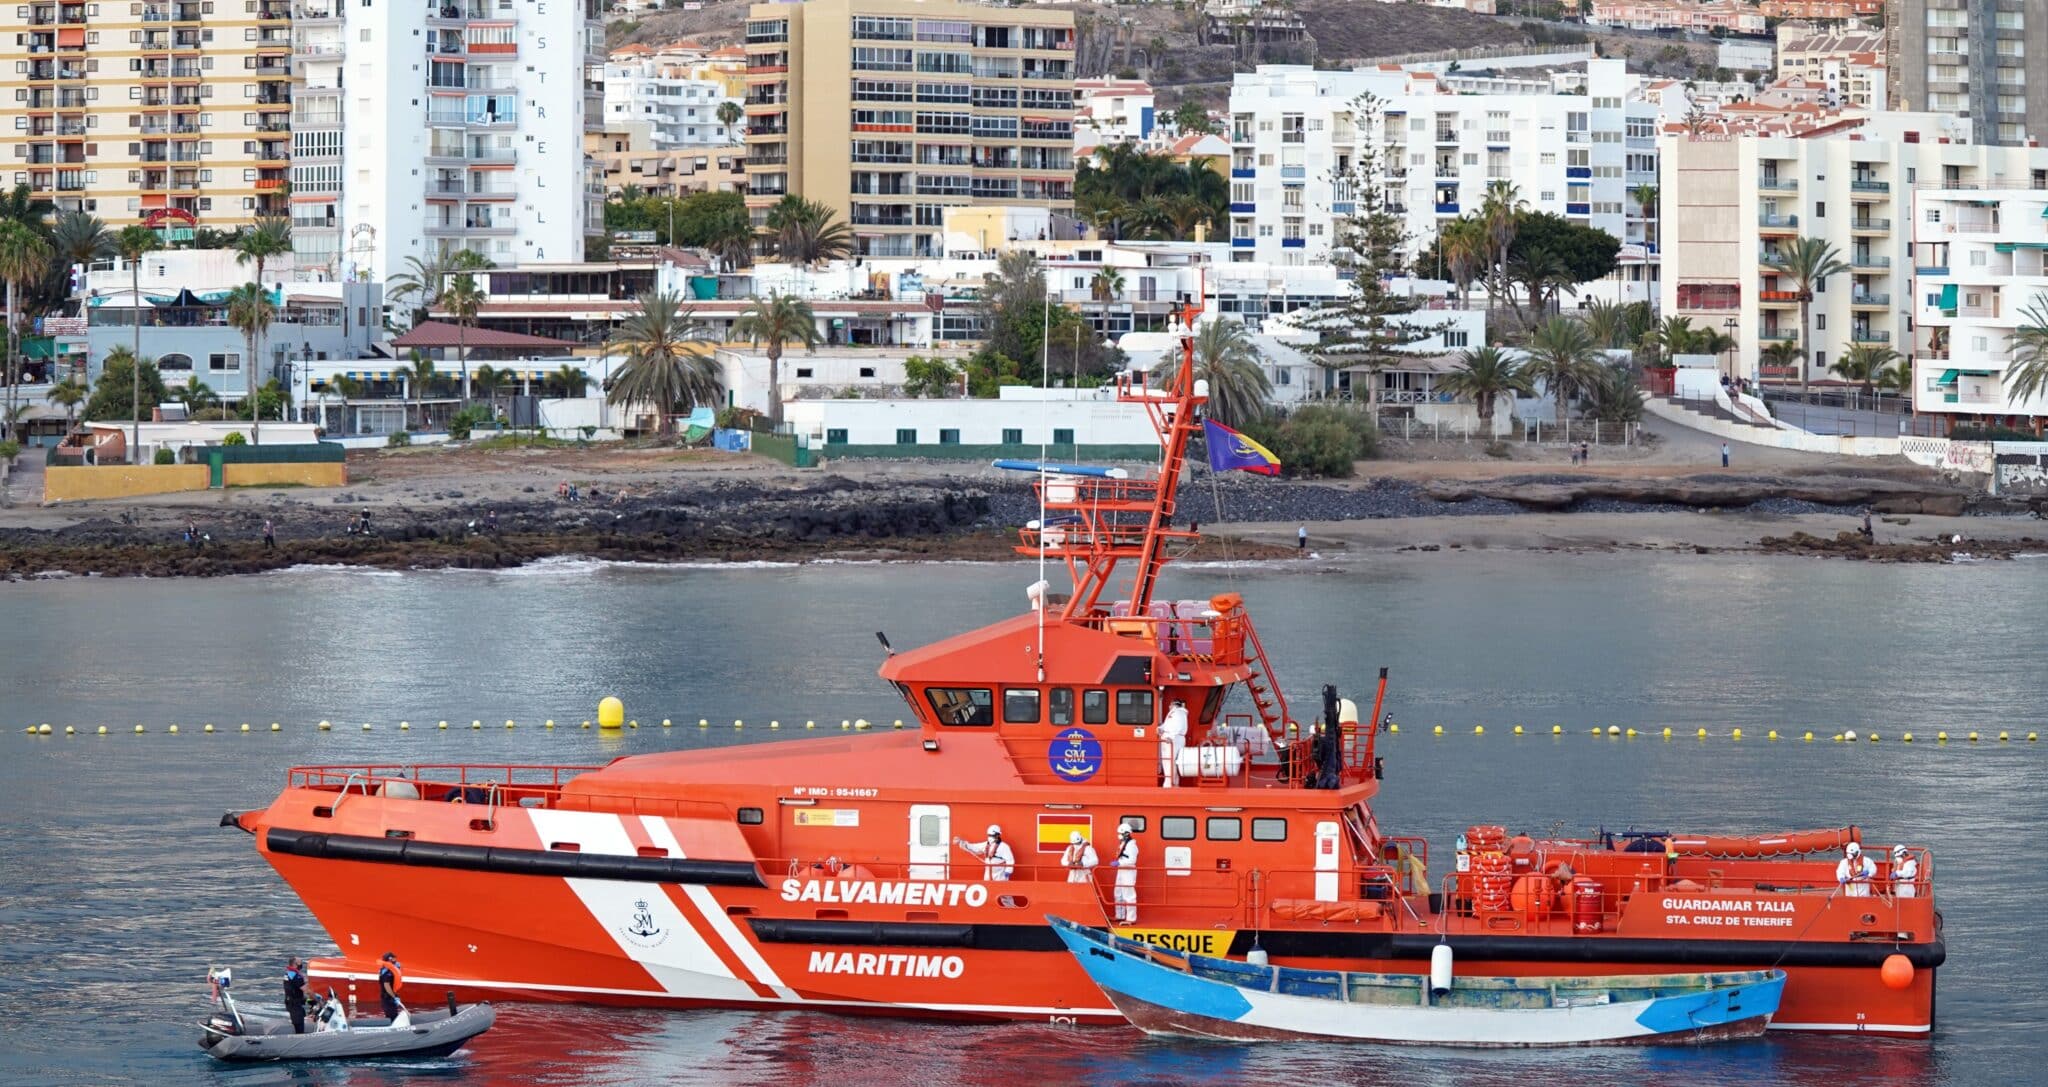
<point x="1230" y="450"/>
<point x="1054" y="830"/>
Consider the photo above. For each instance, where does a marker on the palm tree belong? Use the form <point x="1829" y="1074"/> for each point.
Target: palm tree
<point x="1228" y="360"/>
<point x="68" y="394"/>
<point x="419" y="377"/>
<point x="667" y="364"/>
<point x="1563" y="358"/>
<point x="488" y="378"/>
<point x="2028" y="373"/>
<point x="24" y="258"/>
<point x="1463" y="249"/>
<point x="462" y="298"/>
<point x="775" y="321"/>
<point x="1807" y="261"/>
<point x="729" y="113"/>
<point x="269" y="237"/>
<point x="22" y="206"/>
<point x="1672" y="336"/>
<point x="134" y="243"/>
<point x="1108" y="284"/>
<point x="1865" y="362"/>
<point x="81" y="239"/>
<point x="1609" y="323"/>
<point x="200" y="396"/>
<point x="1782" y="354"/>
<point x="1487" y="374"/>
<point x="1499" y="214"/>
<point x="419" y="284"/>
<point x="570" y="379"/>
<point x="250" y="311"/>
<point x="1645" y="196"/>
<point x="807" y="232"/>
<point x="1613" y="396"/>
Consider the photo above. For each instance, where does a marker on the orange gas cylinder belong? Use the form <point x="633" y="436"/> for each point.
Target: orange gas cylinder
<point x="1585" y="906"/>
<point x="1495" y="886"/>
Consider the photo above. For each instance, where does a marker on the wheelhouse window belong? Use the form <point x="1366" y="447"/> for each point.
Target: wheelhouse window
<point x="962" y="705"/>
<point x="1211" y="704"/>
<point x="1094" y="707"/>
<point x="751" y="817"/>
<point x="1134" y="707"/>
<point x="1226" y="828"/>
<point x="1060" y="700"/>
<point x="1177" y="828"/>
<point x="1137" y="823"/>
<point x="1020" y="705"/>
<point x="1269" y="830"/>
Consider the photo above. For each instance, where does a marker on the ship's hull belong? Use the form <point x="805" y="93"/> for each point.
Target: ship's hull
<point x="841" y="945"/>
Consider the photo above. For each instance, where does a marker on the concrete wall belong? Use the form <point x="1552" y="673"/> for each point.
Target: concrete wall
<point x="61" y="484"/>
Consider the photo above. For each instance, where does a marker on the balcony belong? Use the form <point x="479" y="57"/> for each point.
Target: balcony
<point x="1868" y="185"/>
<point x="1869" y="335"/>
<point x="1871" y="300"/>
<point x="1774" y="221"/>
<point x="1244" y="209"/>
<point x="1578" y="209"/>
<point x="1777" y="299"/>
<point x="1447" y="209"/>
<point x="1776" y="183"/>
<point x="315" y="14"/>
<point x="1871" y="226"/>
<point x="1870" y="261"/>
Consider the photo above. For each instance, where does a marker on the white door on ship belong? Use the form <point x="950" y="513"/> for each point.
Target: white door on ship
<point x="931" y="838"/>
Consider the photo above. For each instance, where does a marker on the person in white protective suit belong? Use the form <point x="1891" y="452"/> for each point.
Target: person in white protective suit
<point x="1855" y="872"/>
<point x="1905" y="873"/>
<point x="998" y="863"/>
<point x="1079" y="859"/>
<point x="1126" y="865"/>
<point x="1173" y="739"/>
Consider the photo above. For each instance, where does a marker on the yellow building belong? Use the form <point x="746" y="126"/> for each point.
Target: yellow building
<point x="171" y="111"/>
<point x="891" y="111"/>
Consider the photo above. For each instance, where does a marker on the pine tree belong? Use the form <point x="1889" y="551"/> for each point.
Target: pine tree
<point x="1370" y="329"/>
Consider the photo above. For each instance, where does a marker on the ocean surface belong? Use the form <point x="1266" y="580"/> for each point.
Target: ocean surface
<point x="117" y="890"/>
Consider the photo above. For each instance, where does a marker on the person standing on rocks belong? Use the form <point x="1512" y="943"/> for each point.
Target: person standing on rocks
<point x="269" y="535"/>
<point x="1724" y="454"/>
<point x="1301" y="540"/>
<point x="192" y="535"/>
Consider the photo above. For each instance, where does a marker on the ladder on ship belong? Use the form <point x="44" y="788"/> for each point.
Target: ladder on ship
<point x="1272" y="705"/>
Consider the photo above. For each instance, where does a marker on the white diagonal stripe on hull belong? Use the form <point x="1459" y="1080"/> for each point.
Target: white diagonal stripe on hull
<point x="659" y="833"/>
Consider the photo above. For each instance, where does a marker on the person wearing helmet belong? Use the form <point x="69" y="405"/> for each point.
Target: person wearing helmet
<point x="390" y="979"/>
<point x="1905" y="873"/>
<point x="1173" y="738"/>
<point x="1080" y="859"/>
<point x="1855" y="871"/>
<point x="998" y="863"/>
<point x="1126" y="865"/>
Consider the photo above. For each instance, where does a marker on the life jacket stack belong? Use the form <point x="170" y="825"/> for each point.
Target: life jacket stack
<point x="1493" y="881"/>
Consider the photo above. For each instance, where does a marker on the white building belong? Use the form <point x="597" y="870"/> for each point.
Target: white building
<point x="426" y="129"/>
<point x="1982" y="267"/>
<point x="666" y="105"/>
<point x="1071" y="423"/>
<point x="1110" y="111"/>
<point x="1296" y="135"/>
<point x="1731" y="204"/>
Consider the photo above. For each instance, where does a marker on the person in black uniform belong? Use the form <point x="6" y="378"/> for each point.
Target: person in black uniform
<point x="390" y="978"/>
<point x="295" y="992"/>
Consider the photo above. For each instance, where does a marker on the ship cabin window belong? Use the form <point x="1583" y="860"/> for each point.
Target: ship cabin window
<point x="1137" y="823"/>
<point x="1134" y="707"/>
<point x="1177" y="828"/>
<point x="1094" y="707"/>
<point x="1269" y="830"/>
<point x="1226" y="828"/>
<point x="1060" y="700"/>
<point x="1020" y="705"/>
<point x="962" y="705"/>
<point x="1211" y="704"/>
<point x="750" y="817"/>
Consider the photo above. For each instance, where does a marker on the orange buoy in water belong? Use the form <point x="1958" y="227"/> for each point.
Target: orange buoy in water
<point x="1897" y="971"/>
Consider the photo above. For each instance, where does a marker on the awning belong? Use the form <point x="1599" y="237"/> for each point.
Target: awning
<point x="1948" y="377"/>
<point x="1948" y="296"/>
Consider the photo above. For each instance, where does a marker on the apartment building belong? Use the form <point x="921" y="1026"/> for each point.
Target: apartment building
<point x="675" y="172"/>
<point x="942" y="104"/>
<point x="1981" y="267"/>
<point x="422" y="130"/>
<point x="1732" y="203"/>
<point x="170" y="112"/>
<point x="664" y="103"/>
<point x="1727" y="16"/>
<point x="1970" y="58"/>
<point x="1296" y="134"/>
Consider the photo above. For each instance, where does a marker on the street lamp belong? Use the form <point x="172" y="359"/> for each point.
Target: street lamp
<point x="1731" y="324"/>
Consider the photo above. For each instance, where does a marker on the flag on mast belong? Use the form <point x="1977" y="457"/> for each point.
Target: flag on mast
<point x="1230" y="450"/>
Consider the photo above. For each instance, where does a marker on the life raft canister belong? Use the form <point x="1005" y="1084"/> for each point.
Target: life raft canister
<point x="1585" y="906"/>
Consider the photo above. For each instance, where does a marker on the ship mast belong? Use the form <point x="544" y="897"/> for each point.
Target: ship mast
<point x="1094" y="523"/>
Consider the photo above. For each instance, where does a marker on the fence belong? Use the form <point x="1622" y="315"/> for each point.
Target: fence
<point x="1529" y="431"/>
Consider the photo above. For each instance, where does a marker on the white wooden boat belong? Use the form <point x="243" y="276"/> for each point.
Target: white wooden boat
<point x="1171" y="993"/>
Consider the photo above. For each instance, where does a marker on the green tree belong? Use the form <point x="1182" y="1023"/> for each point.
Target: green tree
<point x="774" y="323"/>
<point x="1645" y="196"/>
<point x="1865" y="363"/>
<point x="729" y="113"/>
<point x="134" y="243"/>
<point x="199" y="396"/>
<point x="419" y="380"/>
<point x="123" y="385"/>
<point x="1614" y="396"/>
<point x="987" y="373"/>
<point x="250" y="312"/>
<point x="1806" y="262"/>
<point x="1228" y="360"/>
<point x="257" y="244"/>
<point x="929" y="375"/>
<point x="1125" y="192"/>
<point x="806" y="232"/>
<point x="1617" y="325"/>
<point x="1500" y="219"/>
<point x="462" y="298"/>
<point x="717" y="221"/>
<point x="68" y="394"/>
<point x="79" y="238"/>
<point x="569" y="381"/>
<point x="24" y="257"/>
<point x="2028" y="373"/>
<point x="1192" y="116"/>
<point x="1563" y="358"/>
<point x="1319" y="440"/>
<point x="1486" y="374"/>
<point x="1107" y="284"/>
<point x="1673" y="336"/>
<point x="488" y="378"/>
<point x="667" y="366"/>
<point x="1371" y="329"/>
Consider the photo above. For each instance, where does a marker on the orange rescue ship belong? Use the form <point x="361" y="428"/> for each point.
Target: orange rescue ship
<point x="828" y="872"/>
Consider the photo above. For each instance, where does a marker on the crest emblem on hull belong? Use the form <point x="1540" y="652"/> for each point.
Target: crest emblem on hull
<point x="1075" y="754"/>
<point x="643" y="929"/>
